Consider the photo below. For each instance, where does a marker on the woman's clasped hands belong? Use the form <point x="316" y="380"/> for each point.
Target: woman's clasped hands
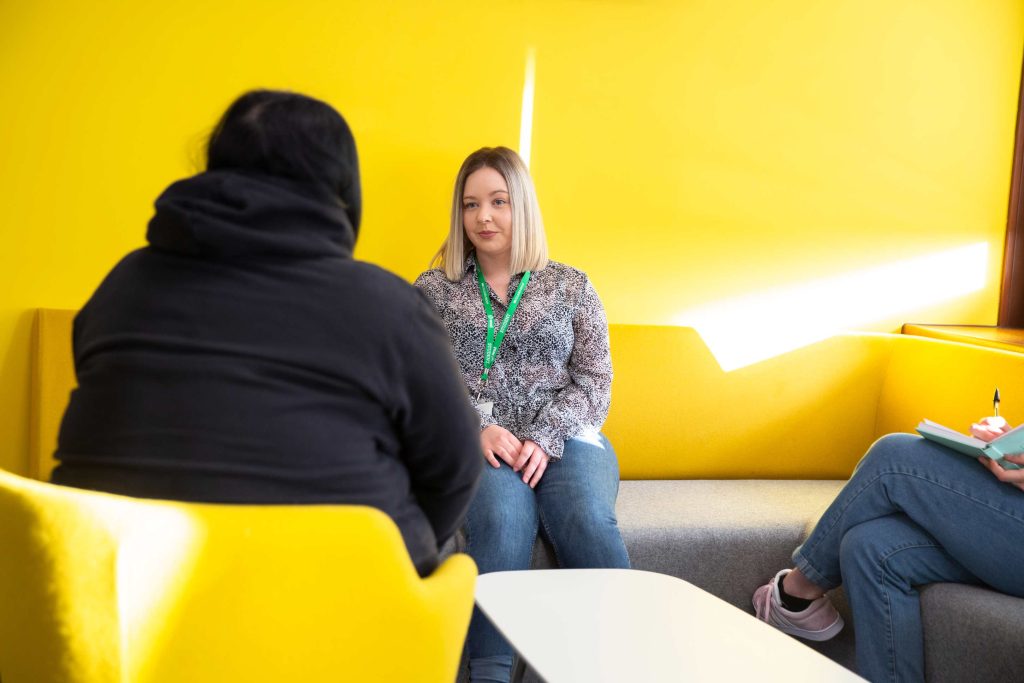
<point x="526" y="456"/>
<point x="990" y="428"/>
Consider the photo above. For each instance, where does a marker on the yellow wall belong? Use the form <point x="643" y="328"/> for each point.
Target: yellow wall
<point x="685" y="152"/>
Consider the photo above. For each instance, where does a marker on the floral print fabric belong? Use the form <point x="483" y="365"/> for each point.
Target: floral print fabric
<point x="552" y="377"/>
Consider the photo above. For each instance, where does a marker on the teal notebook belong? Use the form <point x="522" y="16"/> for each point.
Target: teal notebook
<point x="1010" y="443"/>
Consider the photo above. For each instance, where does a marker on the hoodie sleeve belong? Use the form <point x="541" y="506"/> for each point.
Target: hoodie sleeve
<point x="439" y="433"/>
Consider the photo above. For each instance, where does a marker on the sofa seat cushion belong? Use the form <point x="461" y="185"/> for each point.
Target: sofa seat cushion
<point x="725" y="536"/>
<point x="971" y="634"/>
<point x="729" y="536"/>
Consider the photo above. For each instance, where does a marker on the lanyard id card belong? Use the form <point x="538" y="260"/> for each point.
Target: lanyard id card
<point x="495" y="337"/>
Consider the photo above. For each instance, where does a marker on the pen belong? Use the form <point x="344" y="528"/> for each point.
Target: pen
<point x="995" y="403"/>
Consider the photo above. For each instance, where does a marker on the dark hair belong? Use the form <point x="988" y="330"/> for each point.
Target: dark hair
<point x="289" y="135"/>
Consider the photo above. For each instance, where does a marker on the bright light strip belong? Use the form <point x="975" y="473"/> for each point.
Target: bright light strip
<point x="752" y="328"/>
<point x="526" y="116"/>
<point x="156" y="558"/>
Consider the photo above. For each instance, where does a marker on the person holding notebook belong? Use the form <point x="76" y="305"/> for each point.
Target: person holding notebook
<point x="914" y="512"/>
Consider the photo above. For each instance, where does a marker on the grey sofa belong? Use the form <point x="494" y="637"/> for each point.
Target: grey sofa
<point x="725" y="471"/>
<point x="729" y="536"/>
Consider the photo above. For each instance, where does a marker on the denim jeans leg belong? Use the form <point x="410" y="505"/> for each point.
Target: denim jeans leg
<point x="576" y="497"/>
<point x="913" y="512"/>
<point x="883" y="562"/>
<point x="501" y="527"/>
<point x="976" y="518"/>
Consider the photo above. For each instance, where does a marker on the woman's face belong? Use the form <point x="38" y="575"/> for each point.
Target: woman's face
<point x="487" y="213"/>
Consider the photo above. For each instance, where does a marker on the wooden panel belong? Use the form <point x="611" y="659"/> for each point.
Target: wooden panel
<point x="1011" y="301"/>
<point x="53" y="378"/>
<point x="1005" y="338"/>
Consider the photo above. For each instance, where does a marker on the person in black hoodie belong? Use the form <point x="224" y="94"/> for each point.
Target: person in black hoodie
<point x="245" y="357"/>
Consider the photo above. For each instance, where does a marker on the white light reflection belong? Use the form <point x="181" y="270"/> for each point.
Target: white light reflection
<point x="526" y="115"/>
<point x="752" y="328"/>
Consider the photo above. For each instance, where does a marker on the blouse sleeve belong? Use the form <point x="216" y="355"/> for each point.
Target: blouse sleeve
<point x="582" y="405"/>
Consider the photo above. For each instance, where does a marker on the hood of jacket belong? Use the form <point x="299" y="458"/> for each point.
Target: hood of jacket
<point x="239" y="214"/>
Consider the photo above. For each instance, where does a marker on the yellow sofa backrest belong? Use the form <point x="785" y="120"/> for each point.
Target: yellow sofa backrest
<point x="808" y="414"/>
<point x="96" y="588"/>
<point x="949" y="383"/>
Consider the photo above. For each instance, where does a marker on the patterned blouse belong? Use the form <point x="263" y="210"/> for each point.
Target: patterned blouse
<point x="553" y="374"/>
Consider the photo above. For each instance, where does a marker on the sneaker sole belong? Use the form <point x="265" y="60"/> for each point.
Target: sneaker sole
<point x="818" y="636"/>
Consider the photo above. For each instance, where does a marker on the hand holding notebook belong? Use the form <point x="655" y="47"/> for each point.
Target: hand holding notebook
<point x="1008" y="443"/>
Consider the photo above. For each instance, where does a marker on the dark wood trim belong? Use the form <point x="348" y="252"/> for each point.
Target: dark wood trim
<point x="1011" y="300"/>
<point x="1005" y="338"/>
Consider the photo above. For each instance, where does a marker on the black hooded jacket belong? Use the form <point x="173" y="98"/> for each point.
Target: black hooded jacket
<point x="245" y="357"/>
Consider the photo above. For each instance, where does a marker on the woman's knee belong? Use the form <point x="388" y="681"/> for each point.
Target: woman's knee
<point x="866" y="548"/>
<point x="907" y="453"/>
<point x="581" y="520"/>
<point x="856" y="548"/>
<point x="584" y="523"/>
<point x="896" y="449"/>
<point x="586" y="538"/>
<point x="498" y="539"/>
<point x="588" y="468"/>
<point x="503" y="508"/>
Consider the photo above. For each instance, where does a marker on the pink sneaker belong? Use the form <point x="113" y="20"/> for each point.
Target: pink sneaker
<point x="820" y="621"/>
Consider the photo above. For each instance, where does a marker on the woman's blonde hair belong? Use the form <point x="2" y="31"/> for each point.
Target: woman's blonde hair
<point x="529" y="243"/>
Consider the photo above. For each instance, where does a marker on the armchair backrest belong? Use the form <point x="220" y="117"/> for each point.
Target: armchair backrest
<point x="97" y="588"/>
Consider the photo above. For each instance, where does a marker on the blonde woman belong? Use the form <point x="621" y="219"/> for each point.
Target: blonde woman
<point x="531" y="338"/>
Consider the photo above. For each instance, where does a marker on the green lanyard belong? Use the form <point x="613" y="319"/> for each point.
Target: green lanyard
<point x="494" y="340"/>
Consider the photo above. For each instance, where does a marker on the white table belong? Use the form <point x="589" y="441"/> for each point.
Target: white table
<point x="621" y="625"/>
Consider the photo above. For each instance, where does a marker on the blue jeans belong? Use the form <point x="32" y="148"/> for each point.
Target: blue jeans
<point x="574" y="506"/>
<point x="913" y="513"/>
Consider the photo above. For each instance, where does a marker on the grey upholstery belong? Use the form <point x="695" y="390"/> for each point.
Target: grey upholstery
<point x="730" y="536"/>
<point x="971" y="634"/>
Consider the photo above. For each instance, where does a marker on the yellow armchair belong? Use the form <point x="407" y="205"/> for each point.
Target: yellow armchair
<point x="97" y="588"/>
